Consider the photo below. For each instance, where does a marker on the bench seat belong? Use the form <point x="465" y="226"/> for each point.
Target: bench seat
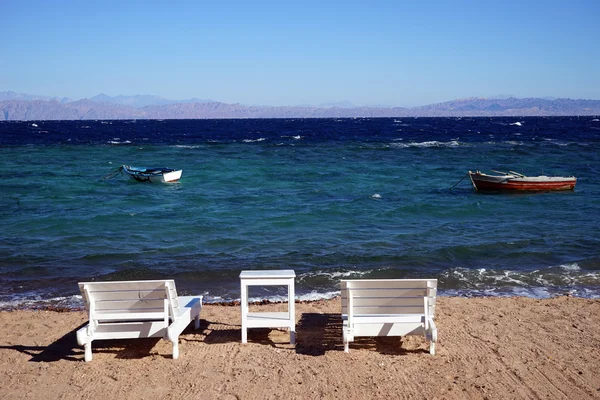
<point x="136" y="309"/>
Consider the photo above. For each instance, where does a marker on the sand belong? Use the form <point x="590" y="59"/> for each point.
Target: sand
<point x="500" y="348"/>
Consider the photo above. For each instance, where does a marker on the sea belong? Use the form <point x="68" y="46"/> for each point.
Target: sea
<point x="332" y="199"/>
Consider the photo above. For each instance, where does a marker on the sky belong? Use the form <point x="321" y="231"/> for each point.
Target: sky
<point x="280" y="53"/>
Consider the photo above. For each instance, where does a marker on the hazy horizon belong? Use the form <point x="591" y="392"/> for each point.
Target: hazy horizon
<point x="340" y="104"/>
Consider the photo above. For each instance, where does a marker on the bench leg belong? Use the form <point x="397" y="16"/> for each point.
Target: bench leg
<point x="176" y="348"/>
<point x="292" y="336"/>
<point x="432" y="337"/>
<point x="197" y="322"/>
<point x="347" y="336"/>
<point x="87" y="348"/>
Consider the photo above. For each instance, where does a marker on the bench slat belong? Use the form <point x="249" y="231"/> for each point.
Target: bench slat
<point x="385" y="310"/>
<point x="386" y="283"/>
<point x="112" y="286"/>
<point x="129" y="304"/>
<point x="385" y="318"/>
<point x="388" y="301"/>
<point x="131" y="330"/>
<point x="371" y="292"/>
<point x="127" y="315"/>
<point x="129" y="294"/>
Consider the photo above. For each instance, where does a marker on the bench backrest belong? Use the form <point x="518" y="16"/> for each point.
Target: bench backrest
<point x="133" y="300"/>
<point x="389" y="296"/>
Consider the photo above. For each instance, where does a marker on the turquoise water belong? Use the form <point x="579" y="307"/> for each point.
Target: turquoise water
<point x="330" y="199"/>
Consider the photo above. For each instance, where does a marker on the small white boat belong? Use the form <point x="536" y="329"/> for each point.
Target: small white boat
<point x="154" y="175"/>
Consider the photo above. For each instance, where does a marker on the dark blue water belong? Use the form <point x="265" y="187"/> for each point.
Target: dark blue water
<point x="329" y="198"/>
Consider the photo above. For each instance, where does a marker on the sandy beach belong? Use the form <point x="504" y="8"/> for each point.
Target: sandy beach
<point x="495" y="348"/>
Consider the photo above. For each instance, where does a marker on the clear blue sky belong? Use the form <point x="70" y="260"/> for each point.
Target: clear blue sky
<point x="398" y="53"/>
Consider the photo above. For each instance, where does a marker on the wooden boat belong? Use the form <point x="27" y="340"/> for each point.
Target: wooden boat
<point x="513" y="181"/>
<point x="154" y="175"/>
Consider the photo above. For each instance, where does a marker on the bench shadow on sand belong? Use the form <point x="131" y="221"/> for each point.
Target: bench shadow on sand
<point x="64" y="348"/>
<point x="319" y="333"/>
<point x="316" y="334"/>
<point x="67" y="348"/>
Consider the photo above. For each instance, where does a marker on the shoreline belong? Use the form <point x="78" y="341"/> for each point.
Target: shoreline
<point x="231" y="303"/>
<point x="48" y="305"/>
<point x="495" y="347"/>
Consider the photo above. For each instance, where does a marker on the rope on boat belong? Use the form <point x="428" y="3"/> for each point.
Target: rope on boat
<point x="113" y="173"/>
<point x="461" y="179"/>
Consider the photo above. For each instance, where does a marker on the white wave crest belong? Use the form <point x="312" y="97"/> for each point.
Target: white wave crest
<point x="509" y="142"/>
<point x="310" y="296"/>
<point x="117" y="142"/>
<point x="570" y="267"/>
<point x="74" y="302"/>
<point x="333" y="275"/>
<point x="254" y="140"/>
<point x="314" y="295"/>
<point x="432" y="143"/>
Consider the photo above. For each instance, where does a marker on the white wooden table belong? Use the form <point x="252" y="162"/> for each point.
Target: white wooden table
<point x="283" y="277"/>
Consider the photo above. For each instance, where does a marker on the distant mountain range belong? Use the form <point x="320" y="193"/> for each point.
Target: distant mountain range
<point x="24" y="107"/>
<point x="140" y="101"/>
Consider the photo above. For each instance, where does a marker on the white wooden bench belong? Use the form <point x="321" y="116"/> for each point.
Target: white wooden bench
<point x="136" y="309"/>
<point x="389" y="307"/>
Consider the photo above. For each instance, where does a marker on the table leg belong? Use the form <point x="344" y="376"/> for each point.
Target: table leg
<point x="292" y="312"/>
<point x="244" y="307"/>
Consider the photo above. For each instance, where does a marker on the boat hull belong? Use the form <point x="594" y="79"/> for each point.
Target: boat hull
<point x="153" y="175"/>
<point x="521" y="183"/>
